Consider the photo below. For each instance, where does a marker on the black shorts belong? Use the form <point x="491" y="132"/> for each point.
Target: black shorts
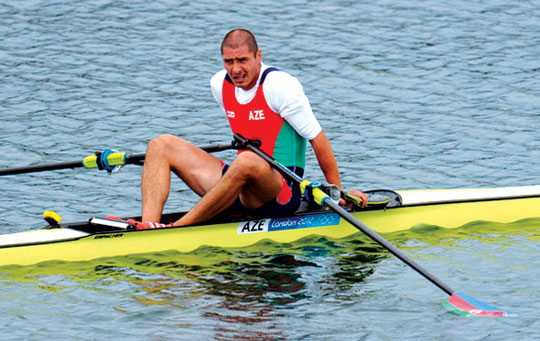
<point x="284" y="204"/>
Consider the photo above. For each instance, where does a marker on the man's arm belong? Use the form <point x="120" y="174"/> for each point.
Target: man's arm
<point x="325" y="156"/>
<point x="327" y="162"/>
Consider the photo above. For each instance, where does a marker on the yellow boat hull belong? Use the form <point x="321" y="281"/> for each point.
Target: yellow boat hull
<point x="443" y="209"/>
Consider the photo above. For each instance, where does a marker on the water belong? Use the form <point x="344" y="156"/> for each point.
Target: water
<point x="412" y="95"/>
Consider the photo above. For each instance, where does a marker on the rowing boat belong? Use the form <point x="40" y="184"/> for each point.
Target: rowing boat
<point x="389" y="211"/>
<point x="97" y="238"/>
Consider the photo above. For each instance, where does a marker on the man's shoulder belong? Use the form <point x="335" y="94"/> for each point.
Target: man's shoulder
<point x="218" y="76"/>
<point x="216" y="82"/>
<point x="281" y="81"/>
<point x="277" y="75"/>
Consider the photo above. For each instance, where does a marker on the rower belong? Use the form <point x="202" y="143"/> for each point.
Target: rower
<point x="261" y="103"/>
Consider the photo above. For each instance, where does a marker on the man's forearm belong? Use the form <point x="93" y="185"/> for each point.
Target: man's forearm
<point x="325" y="156"/>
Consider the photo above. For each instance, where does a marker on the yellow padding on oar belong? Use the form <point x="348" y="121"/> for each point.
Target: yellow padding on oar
<point x="318" y="194"/>
<point x="114" y="159"/>
<point x="51" y="215"/>
<point x="90" y="161"/>
<point x="303" y="186"/>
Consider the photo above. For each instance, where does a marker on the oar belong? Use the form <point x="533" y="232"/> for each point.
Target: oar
<point x="459" y="302"/>
<point x="106" y="160"/>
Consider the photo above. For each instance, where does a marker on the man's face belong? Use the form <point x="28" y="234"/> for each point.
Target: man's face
<point x="242" y="66"/>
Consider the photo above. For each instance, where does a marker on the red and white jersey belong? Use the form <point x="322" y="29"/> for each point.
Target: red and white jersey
<point x="284" y="95"/>
<point x="279" y="114"/>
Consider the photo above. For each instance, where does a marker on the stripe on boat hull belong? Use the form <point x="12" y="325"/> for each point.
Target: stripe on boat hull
<point x="288" y="223"/>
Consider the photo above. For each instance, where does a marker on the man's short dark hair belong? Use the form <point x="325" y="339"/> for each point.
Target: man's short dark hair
<point x="239" y="37"/>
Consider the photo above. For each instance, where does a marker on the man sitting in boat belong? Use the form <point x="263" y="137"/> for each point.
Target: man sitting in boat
<point x="261" y="103"/>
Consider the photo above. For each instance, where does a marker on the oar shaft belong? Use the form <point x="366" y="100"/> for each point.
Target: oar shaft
<point x="213" y="148"/>
<point x="387" y="245"/>
<point x="41" y="168"/>
<point x="348" y="217"/>
<point x="114" y="159"/>
<point x="219" y="147"/>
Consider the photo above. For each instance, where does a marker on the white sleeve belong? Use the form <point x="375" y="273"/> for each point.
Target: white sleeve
<point x="216" y="84"/>
<point x="285" y="95"/>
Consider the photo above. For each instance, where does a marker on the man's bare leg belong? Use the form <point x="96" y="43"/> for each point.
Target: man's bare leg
<point x="199" y="170"/>
<point x="249" y="177"/>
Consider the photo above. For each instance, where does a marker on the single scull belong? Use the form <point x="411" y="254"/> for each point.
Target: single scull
<point x="98" y="238"/>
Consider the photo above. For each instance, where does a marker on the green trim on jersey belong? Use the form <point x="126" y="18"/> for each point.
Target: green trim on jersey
<point x="289" y="140"/>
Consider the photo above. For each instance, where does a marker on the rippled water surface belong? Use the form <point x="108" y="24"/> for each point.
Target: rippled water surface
<point x="412" y="94"/>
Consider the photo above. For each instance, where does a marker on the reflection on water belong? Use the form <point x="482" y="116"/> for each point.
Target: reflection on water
<point x="481" y="230"/>
<point x="235" y="293"/>
<point x="250" y="293"/>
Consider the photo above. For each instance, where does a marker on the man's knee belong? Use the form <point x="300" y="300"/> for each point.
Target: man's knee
<point x="250" y="164"/>
<point x="162" y="141"/>
<point x="164" y="144"/>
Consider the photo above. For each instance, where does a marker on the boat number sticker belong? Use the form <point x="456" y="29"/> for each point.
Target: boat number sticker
<point x="288" y="223"/>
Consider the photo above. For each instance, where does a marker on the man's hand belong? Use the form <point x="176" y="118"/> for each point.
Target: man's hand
<point x="358" y="194"/>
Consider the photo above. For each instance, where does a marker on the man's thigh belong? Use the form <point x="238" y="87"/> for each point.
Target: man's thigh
<point x="200" y="170"/>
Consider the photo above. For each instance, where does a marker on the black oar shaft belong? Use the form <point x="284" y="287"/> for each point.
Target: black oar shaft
<point x="41" y="168"/>
<point x="351" y="219"/>
<point x="219" y="147"/>
<point x="387" y="245"/>
<point x="137" y="159"/>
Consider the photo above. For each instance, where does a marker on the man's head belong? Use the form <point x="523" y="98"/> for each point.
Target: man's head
<point x="239" y="37"/>
<point x="241" y="58"/>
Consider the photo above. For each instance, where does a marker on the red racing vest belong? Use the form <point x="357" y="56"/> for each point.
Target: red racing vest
<point x="256" y="121"/>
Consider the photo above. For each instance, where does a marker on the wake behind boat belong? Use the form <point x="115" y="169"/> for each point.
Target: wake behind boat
<point x="100" y="237"/>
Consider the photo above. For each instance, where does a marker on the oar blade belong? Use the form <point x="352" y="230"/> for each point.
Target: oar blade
<point x="463" y="304"/>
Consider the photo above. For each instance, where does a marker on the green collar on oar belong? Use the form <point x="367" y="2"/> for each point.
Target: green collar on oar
<point x="458" y="301"/>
